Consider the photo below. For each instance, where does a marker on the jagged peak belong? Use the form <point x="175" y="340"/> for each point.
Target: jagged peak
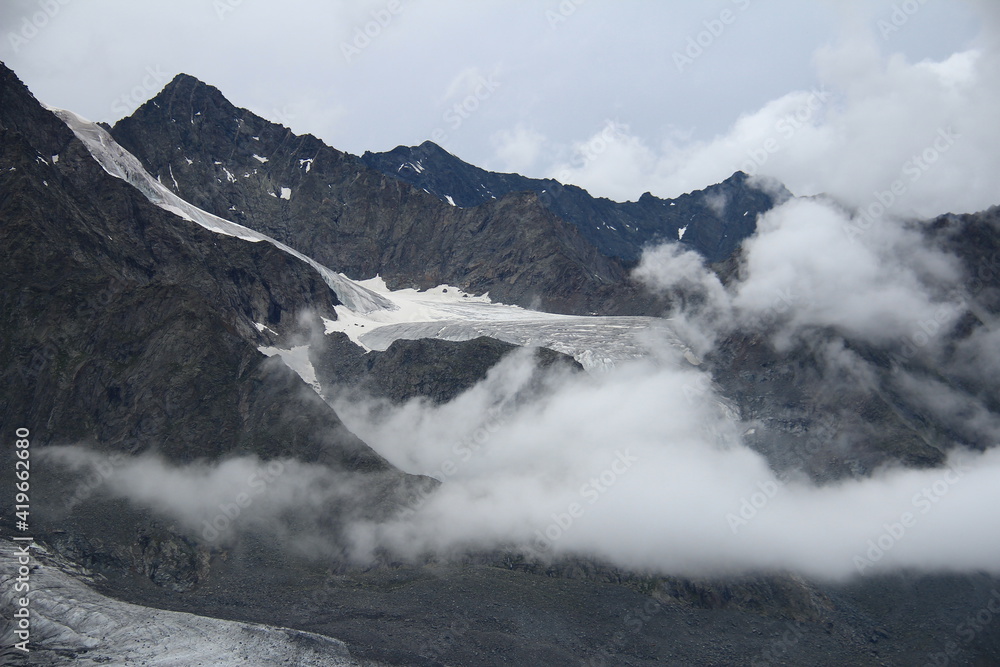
<point x="184" y="81"/>
<point x="10" y="77"/>
<point x="186" y="87"/>
<point x="427" y="148"/>
<point x="431" y="147"/>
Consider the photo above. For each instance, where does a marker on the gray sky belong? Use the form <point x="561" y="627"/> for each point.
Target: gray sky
<point x="616" y="96"/>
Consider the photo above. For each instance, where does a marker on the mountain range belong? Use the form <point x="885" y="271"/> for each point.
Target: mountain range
<point x="196" y="288"/>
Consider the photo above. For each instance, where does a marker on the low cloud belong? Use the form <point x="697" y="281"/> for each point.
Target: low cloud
<point x="644" y="467"/>
<point x="876" y="125"/>
<point x="213" y="501"/>
<point x="875" y="285"/>
<point x="519" y="149"/>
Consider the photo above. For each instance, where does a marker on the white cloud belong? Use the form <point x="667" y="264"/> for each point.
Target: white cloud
<point x="810" y="266"/>
<point x="642" y="468"/>
<point x="702" y="309"/>
<point x="877" y="286"/>
<point x="518" y="149"/>
<point x="875" y="122"/>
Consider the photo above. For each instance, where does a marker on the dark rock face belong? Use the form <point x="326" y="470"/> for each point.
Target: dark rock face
<point x="357" y="220"/>
<point x="975" y="240"/>
<point x="806" y="420"/>
<point x="830" y="427"/>
<point x="715" y="220"/>
<point x="438" y="370"/>
<point x="104" y="291"/>
<point x="127" y="329"/>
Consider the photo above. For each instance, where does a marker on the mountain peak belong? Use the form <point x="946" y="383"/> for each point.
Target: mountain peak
<point x="433" y="148"/>
<point x="186" y="95"/>
<point x="617" y="229"/>
<point x="182" y="78"/>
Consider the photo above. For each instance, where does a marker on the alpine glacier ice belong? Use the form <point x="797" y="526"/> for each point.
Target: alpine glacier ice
<point x="373" y="316"/>
<point x="447" y="313"/>
<point x="72" y="624"/>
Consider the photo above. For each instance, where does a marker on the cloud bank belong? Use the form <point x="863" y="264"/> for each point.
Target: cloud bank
<point x="646" y="467"/>
<point x="643" y="467"/>
<point x="877" y="128"/>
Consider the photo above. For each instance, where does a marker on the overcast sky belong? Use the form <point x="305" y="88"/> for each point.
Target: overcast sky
<point x="620" y="97"/>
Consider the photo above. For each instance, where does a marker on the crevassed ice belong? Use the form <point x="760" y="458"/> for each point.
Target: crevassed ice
<point x="447" y="313"/>
<point x="69" y="618"/>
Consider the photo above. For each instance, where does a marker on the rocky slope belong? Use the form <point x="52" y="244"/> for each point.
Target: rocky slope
<point x="335" y="208"/>
<point x="105" y="291"/>
<point x="438" y="370"/>
<point x="130" y="330"/>
<point x="133" y="330"/>
<point x="713" y="221"/>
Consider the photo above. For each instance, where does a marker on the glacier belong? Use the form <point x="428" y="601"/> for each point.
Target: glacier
<point x="121" y="164"/>
<point x="71" y="623"/>
<point x="448" y="313"/>
<point x="373" y="316"/>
